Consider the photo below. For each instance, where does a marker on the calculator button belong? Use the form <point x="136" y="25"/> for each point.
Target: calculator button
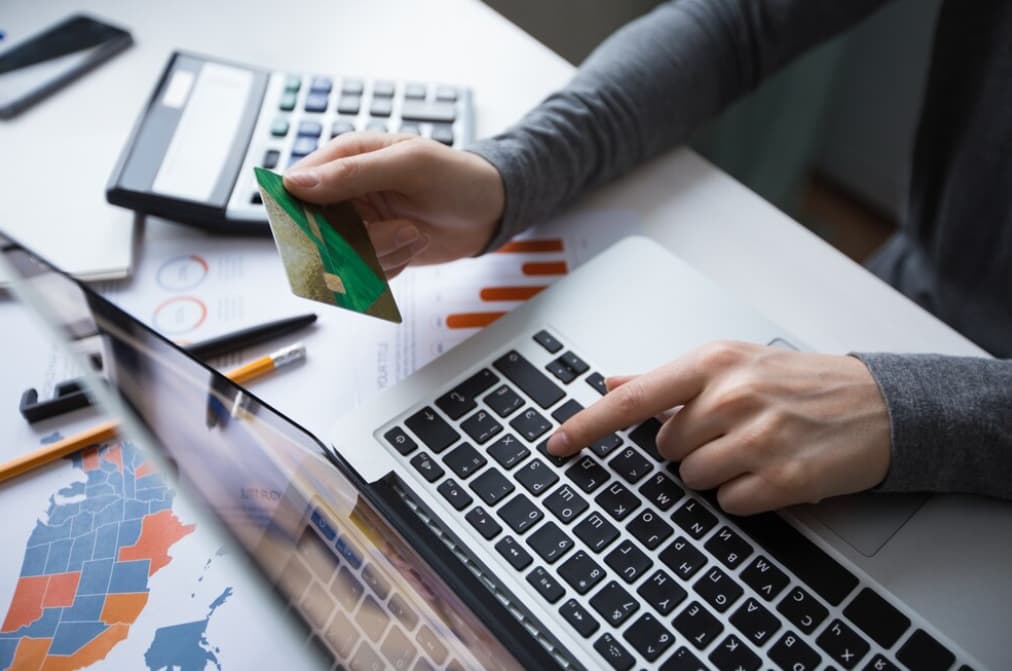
<point x="321" y="85"/>
<point x="352" y="86"/>
<point x="279" y="128"/>
<point x="381" y="107"/>
<point x="316" y="102"/>
<point x="340" y="127"/>
<point x="348" y="104"/>
<point x="304" y="145"/>
<point x="310" y="128"/>
<point x="447" y="93"/>
<point x="292" y="83"/>
<point x="376" y="125"/>
<point x="270" y="161"/>
<point x="383" y="88"/>
<point x="436" y="112"/>
<point x="442" y="134"/>
<point x="410" y="129"/>
<point x="287" y="101"/>
<point x="414" y="90"/>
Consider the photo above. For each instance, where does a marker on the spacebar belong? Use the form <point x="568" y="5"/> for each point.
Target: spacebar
<point x="826" y="576"/>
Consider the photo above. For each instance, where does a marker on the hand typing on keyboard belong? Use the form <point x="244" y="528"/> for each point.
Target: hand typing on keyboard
<point x="422" y="201"/>
<point x="767" y="427"/>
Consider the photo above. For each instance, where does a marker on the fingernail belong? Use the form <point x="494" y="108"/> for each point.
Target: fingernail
<point x="304" y="178"/>
<point x="558" y="444"/>
<point x="405" y="235"/>
<point x="420" y="244"/>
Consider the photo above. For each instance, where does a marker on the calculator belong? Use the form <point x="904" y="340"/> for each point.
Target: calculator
<point x="208" y="123"/>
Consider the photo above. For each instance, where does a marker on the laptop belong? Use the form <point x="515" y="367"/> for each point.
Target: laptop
<point x="431" y="529"/>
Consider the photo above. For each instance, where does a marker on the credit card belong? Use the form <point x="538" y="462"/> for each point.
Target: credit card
<point x="326" y="251"/>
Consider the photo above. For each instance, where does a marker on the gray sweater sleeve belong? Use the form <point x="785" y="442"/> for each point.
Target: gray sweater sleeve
<point x="645" y="89"/>
<point x="951" y="422"/>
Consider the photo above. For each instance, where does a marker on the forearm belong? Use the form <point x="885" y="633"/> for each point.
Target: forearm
<point x="951" y="422"/>
<point x="645" y="89"/>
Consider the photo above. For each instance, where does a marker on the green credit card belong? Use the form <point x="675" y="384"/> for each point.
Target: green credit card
<point x="326" y="251"/>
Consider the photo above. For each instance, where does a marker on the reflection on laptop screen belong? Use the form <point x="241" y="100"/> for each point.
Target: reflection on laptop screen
<point x="360" y="594"/>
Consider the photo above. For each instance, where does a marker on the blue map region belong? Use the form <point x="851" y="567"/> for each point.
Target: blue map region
<point x="87" y="524"/>
<point x="184" y="646"/>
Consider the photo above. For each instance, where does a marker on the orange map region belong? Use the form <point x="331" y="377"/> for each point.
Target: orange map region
<point x="158" y="533"/>
<point x="142" y="470"/>
<point x="32" y="653"/>
<point x="114" y="455"/>
<point x="123" y="608"/>
<point x="61" y="589"/>
<point x="89" y="459"/>
<point x="26" y="604"/>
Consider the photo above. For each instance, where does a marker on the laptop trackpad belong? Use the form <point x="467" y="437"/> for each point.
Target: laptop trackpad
<point x="867" y="521"/>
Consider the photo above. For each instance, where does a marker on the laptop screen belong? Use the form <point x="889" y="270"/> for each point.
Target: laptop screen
<point x="357" y="591"/>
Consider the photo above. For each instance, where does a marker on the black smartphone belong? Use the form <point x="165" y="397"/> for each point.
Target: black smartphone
<point x="43" y="63"/>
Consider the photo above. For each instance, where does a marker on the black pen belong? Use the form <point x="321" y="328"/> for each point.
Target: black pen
<point x="230" y="342"/>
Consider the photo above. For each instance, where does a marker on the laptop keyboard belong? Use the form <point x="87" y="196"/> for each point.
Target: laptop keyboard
<point x="644" y="570"/>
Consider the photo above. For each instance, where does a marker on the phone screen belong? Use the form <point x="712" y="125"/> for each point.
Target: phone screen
<point x="41" y="63"/>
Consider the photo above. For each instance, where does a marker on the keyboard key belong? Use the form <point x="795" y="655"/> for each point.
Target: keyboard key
<point x="605" y="446"/>
<point x="587" y="474"/>
<point x="581" y="572"/>
<point x="432" y="429"/>
<point x="530" y="424"/>
<point x="492" y="486"/>
<point x="398" y="649"/>
<point x="614" y="603"/>
<point x="434" y="112"/>
<point x="661" y="490"/>
<point x="877" y="617"/>
<point x="304" y="145"/>
<point x="662" y="592"/>
<point x="536" y="477"/>
<point x="316" y="102"/>
<point x="596" y="532"/>
<point x="383" y="88"/>
<point x="341" y="635"/>
<point x="844" y="645"/>
<point x="381" y="107"/>
<point x="427" y="466"/>
<point x="648" y="528"/>
<point x="790" y="653"/>
<point x="580" y="619"/>
<point x="683" y="660"/>
<point x="514" y="553"/>
<point x="321" y="85"/>
<point x="756" y="622"/>
<point x="455" y="404"/>
<point x="508" y="451"/>
<point x="765" y="578"/>
<point x="403" y="612"/>
<point x="462" y="396"/>
<point x="694" y="518"/>
<point x="270" y="161"/>
<point x="454" y="494"/>
<point x="400" y="441"/>
<point x="379" y="585"/>
<point x="698" y="625"/>
<point x="628" y="561"/>
<point x="287" y="102"/>
<point x="431" y="644"/>
<point x="649" y="637"/>
<point x="575" y="363"/>
<point x="464" y="460"/>
<point x="802" y="609"/>
<point x="719" y="589"/>
<point x="733" y="655"/>
<point x="880" y="663"/>
<point x="547" y="586"/>
<point x="349" y="104"/>
<point x="366" y="659"/>
<point x="310" y="128"/>
<point x="614" y="653"/>
<point x="682" y="558"/>
<point x="565" y="504"/>
<point x="728" y="547"/>
<point x="531" y="381"/>
<point x="645" y="436"/>
<point x="548" y="341"/>
<point x="823" y="574"/>
<point x="566" y="410"/>
<point x="349" y="551"/>
<point x="415" y="90"/>
<point x="618" y="501"/>
<point x="550" y="542"/>
<point x="630" y="465"/>
<point x="552" y="459"/>
<point x="596" y="380"/>
<point x="442" y="133"/>
<point x="340" y="127"/>
<point x="504" y="401"/>
<point x="520" y="514"/>
<point x="561" y="371"/>
<point x="483" y="523"/>
<point x="279" y="127"/>
<point x="372" y="617"/>
<point x="481" y="426"/>
<point x="922" y="651"/>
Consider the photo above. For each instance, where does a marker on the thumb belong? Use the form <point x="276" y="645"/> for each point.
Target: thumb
<point x="351" y="176"/>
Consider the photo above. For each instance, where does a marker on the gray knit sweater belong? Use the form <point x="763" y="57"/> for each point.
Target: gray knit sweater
<point x="647" y="87"/>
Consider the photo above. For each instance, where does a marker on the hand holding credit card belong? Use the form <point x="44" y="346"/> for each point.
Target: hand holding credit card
<point x="326" y="251"/>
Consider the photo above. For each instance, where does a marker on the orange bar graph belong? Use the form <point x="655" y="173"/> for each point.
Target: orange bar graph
<point x="509" y="293"/>
<point x="529" y="246"/>
<point x="471" y="320"/>
<point x="540" y="268"/>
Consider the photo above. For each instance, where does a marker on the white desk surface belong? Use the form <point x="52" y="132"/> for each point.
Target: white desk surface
<point x="694" y="209"/>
